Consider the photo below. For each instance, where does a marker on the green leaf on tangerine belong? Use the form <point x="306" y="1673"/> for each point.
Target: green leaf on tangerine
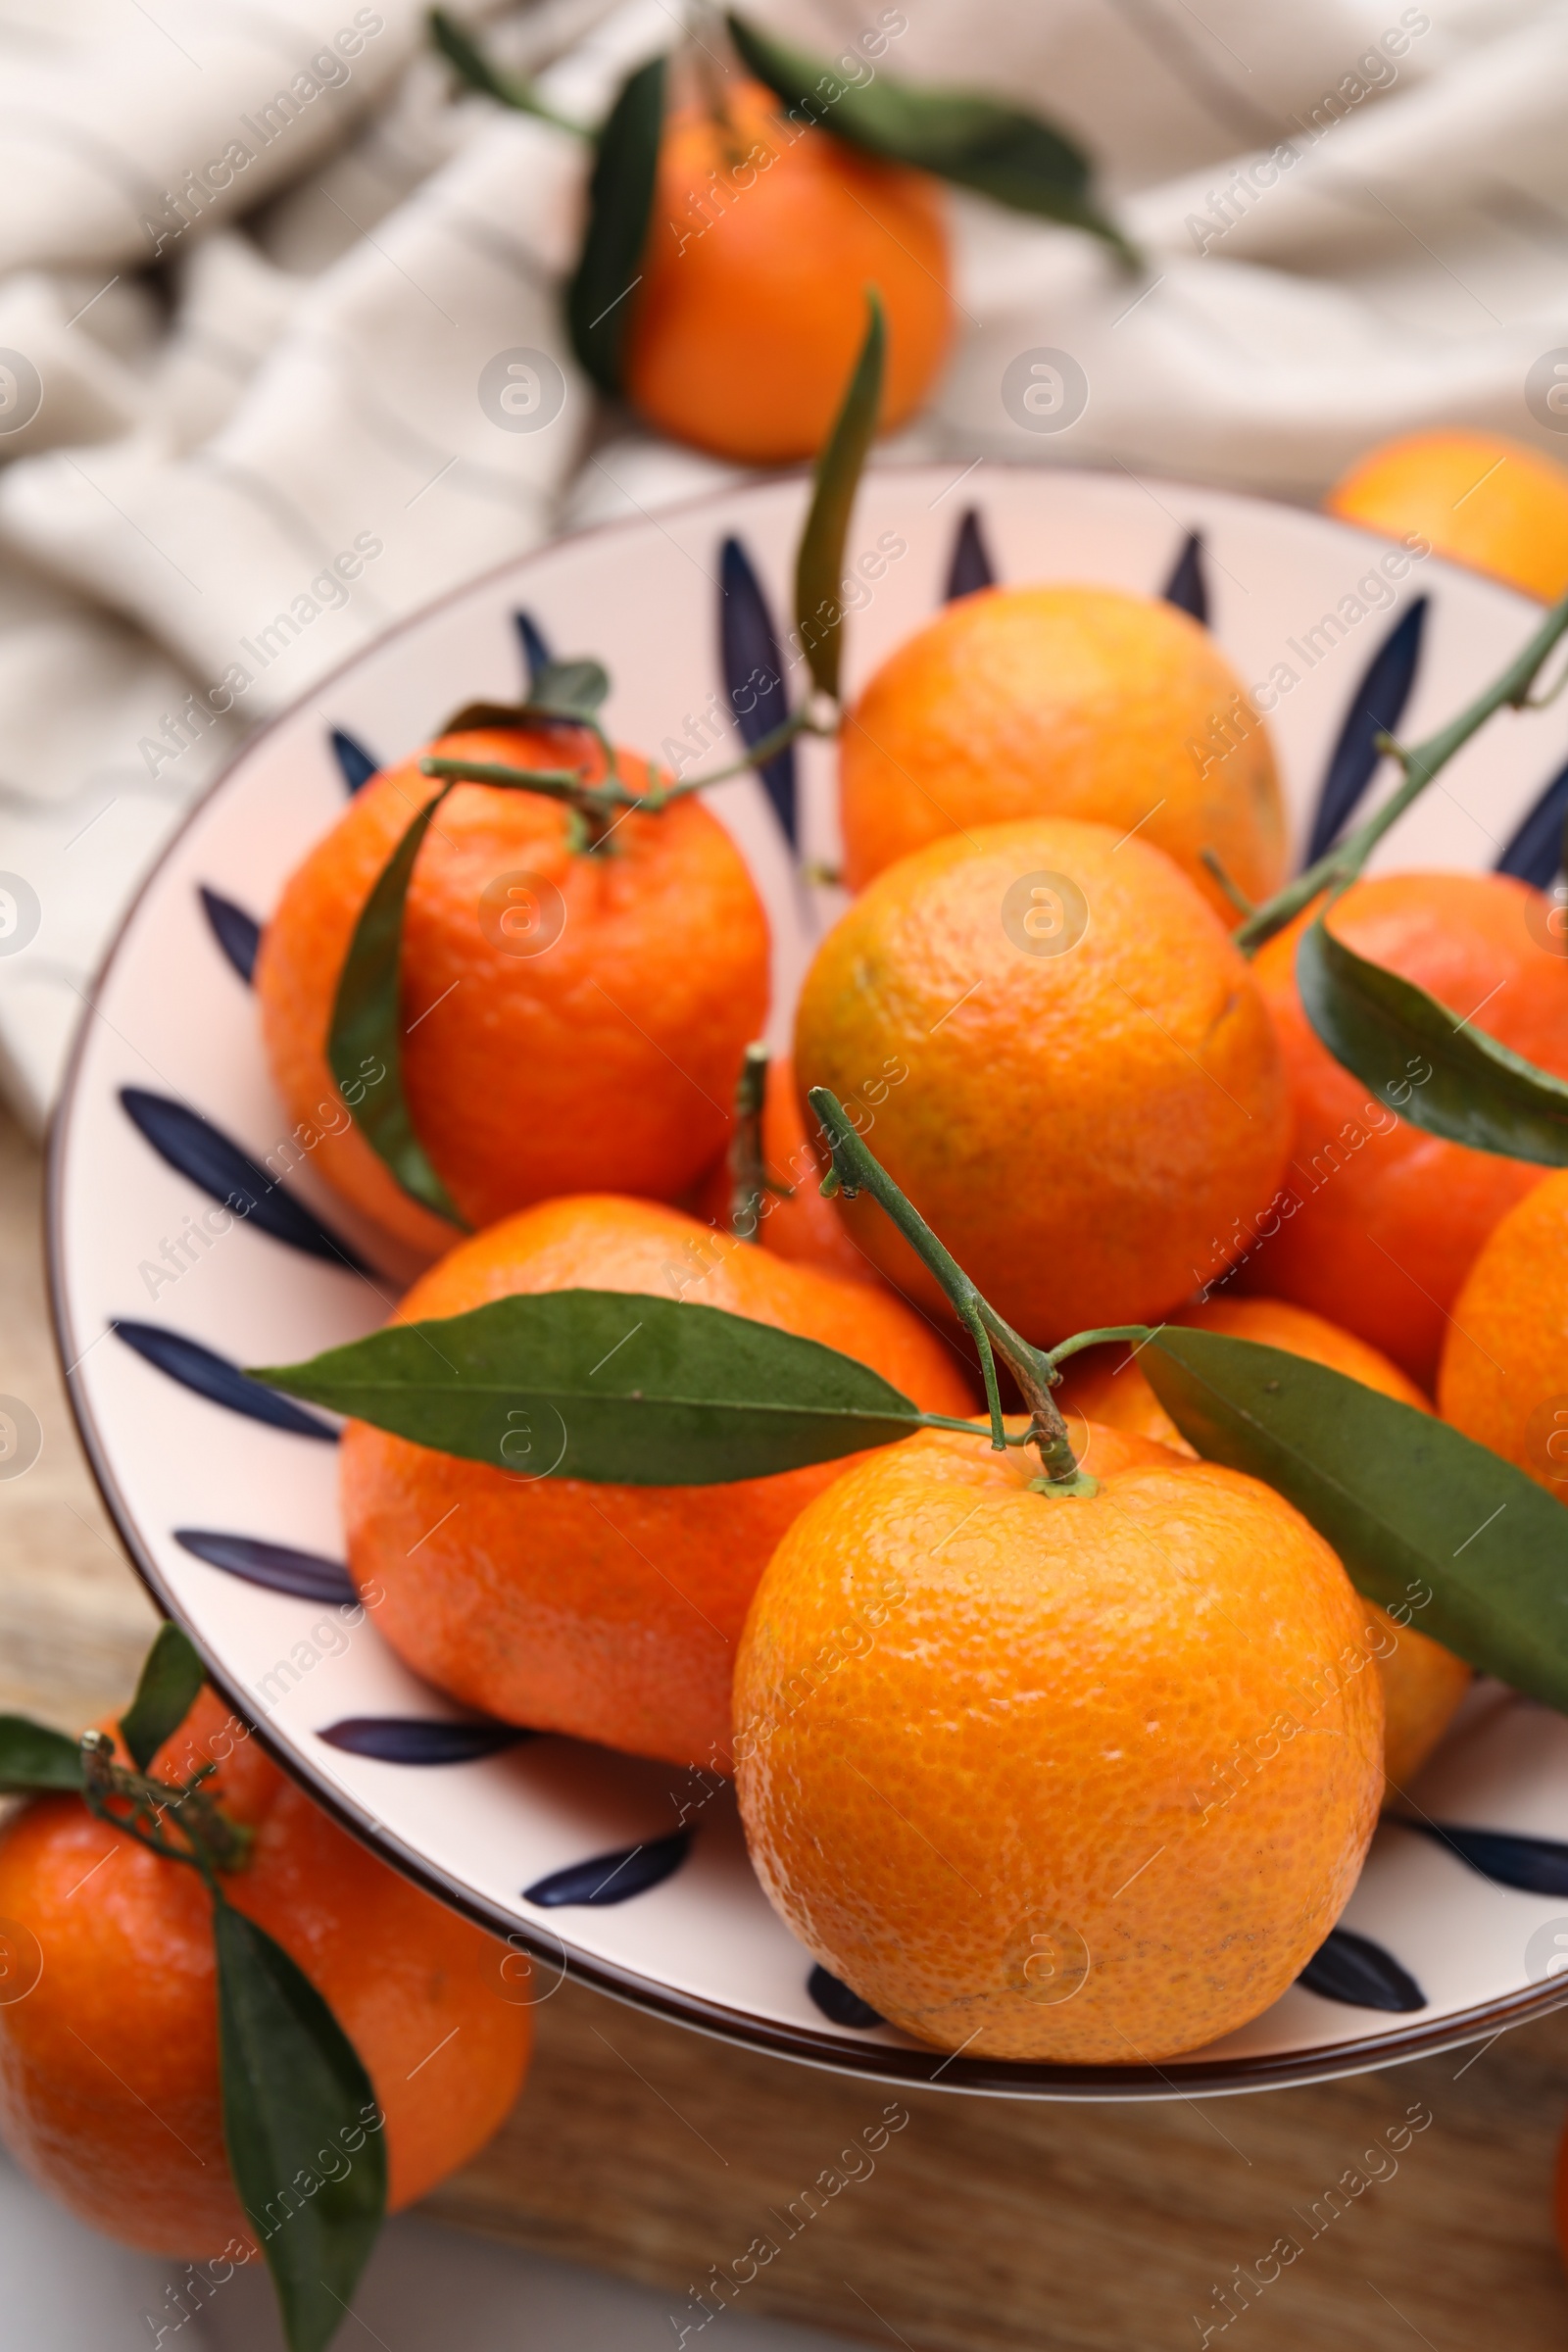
<point x="1411" y="1508"/>
<point x="1437" y="1072"/>
<point x="1005" y="153"/>
<point x="302" y="2125"/>
<point x="620" y="200"/>
<point x="33" y="1758"/>
<point x="365" y="1046"/>
<point x="171" y="1677"/>
<point x="573" y="691"/>
<point x="610" y="1386"/>
<point x="819" y="561"/>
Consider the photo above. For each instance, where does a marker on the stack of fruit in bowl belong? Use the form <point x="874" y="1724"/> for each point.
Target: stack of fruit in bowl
<point x="968" y="1432"/>
<point x="967" y="1498"/>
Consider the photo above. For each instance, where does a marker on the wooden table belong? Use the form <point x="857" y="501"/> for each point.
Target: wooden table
<point x="984" y="2225"/>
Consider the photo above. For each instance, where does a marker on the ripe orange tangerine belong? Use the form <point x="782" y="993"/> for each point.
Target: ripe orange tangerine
<point x="1378" y="1222"/>
<point x="985" y="1742"/>
<point x="109" y="2075"/>
<point x="1063" y="700"/>
<point x="763" y="240"/>
<point x="1422" y="1681"/>
<point x="571" y="1017"/>
<point x="610" y="1612"/>
<point x="1505" y="1374"/>
<point x="1094" y="1087"/>
<point x="1479" y="498"/>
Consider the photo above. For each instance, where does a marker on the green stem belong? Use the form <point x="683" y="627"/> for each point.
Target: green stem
<point x="1340" y="865"/>
<point x="855" y="1170"/>
<point x="1138" y="1332"/>
<point x="597" y="803"/>
<point x="749" y="1178"/>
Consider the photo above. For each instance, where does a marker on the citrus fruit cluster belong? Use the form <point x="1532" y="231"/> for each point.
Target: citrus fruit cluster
<point x="1058" y="1734"/>
<point x="1051" y="1738"/>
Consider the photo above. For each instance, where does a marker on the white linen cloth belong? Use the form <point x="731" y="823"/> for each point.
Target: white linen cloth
<point x="1355" y="219"/>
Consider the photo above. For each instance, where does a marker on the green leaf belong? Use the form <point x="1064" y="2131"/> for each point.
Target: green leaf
<point x="365" y="1044"/>
<point x="171" y="1677"/>
<point x="475" y="69"/>
<point x="298" y="2106"/>
<point x="1437" y="1072"/>
<point x="620" y="200"/>
<point x="610" y="1386"/>
<point x="573" y="690"/>
<point x="559" y="690"/>
<point x="819" y="564"/>
<point x="469" y="59"/>
<point x="1409" y="1504"/>
<point x="32" y="1758"/>
<point x="962" y="136"/>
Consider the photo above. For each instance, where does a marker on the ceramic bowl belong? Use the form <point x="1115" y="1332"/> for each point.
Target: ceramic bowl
<point x="629" y="1875"/>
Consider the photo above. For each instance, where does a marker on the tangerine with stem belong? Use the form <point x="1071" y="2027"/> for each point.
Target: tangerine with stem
<point x="1025" y="1758"/>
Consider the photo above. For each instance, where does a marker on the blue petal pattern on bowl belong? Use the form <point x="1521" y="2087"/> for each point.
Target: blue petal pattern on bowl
<point x="970" y="567"/>
<point x="419" y="1739"/>
<point x="219" y="1381"/>
<point x="535" y="652"/>
<point x="278" y="1567"/>
<point x="1532" y="1865"/>
<point x="1536" y="852"/>
<point x="216" y="1162"/>
<point x="605" y="1879"/>
<point x="354" y="760"/>
<point x="237" y="933"/>
<point x="839" y="2004"/>
<point x="754" y="675"/>
<point x="1188" y="586"/>
<point x="1352" y="1969"/>
<point x="1376" y="708"/>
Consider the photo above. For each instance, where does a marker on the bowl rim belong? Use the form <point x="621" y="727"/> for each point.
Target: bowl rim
<point x="911" y="2067"/>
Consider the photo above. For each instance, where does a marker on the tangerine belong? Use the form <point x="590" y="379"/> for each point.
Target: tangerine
<point x="1480" y="498"/>
<point x="571" y="1016"/>
<point x="1422" y="1681"/>
<point x="752" y="303"/>
<point x="610" y="1612"/>
<point x="1063" y="700"/>
<point x="1029" y="1773"/>
<point x="109" y="2070"/>
<point x="1504" y="1373"/>
<point x="1379" y="1221"/>
<point x="1094" y="1087"/>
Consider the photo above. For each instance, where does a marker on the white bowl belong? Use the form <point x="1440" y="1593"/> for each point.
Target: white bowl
<point x="173" y="1018"/>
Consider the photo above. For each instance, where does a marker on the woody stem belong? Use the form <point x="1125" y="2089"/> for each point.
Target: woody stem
<point x="212" y="1842"/>
<point x="855" y="1170"/>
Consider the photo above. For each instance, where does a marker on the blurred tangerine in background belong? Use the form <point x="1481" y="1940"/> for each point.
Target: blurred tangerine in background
<point x="763" y="240"/>
<point x="1480" y="498"/>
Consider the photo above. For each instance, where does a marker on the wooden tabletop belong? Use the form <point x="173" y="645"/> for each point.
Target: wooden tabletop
<point x="1385" y="2211"/>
